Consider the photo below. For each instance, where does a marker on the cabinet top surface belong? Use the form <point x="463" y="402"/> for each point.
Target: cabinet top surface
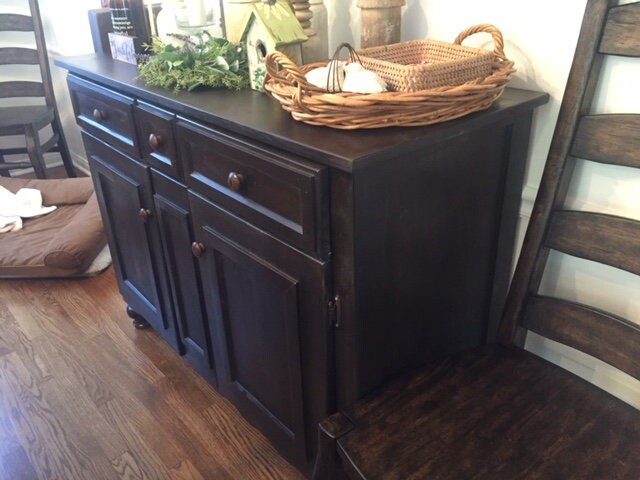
<point x="259" y="117"/>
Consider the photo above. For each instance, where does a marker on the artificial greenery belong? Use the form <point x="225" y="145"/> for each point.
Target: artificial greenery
<point x="202" y="60"/>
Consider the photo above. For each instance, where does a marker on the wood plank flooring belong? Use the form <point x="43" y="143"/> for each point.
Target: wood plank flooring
<point x="83" y="395"/>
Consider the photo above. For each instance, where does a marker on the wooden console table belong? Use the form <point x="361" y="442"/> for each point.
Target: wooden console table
<point x="298" y="267"/>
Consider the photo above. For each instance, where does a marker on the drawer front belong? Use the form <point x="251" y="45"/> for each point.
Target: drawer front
<point x="106" y="114"/>
<point x="156" y="139"/>
<point x="280" y="194"/>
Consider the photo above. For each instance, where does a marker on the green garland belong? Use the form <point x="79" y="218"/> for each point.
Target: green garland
<point x="203" y="60"/>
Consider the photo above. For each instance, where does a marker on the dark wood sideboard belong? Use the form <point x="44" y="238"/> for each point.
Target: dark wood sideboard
<point x="297" y="267"/>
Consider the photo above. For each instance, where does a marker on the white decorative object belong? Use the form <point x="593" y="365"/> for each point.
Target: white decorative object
<point x="196" y="13"/>
<point x="330" y="77"/>
<point x="357" y="79"/>
<point x="173" y="19"/>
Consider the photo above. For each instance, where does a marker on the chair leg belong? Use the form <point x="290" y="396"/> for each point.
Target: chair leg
<point x="63" y="148"/>
<point x="35" y="153"/>
<point x="3" y="172"/>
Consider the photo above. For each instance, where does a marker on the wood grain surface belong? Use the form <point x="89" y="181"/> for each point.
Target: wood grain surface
<point x="83" y="395"/>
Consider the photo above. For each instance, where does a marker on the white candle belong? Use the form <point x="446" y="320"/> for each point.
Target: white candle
<point x="196" y="12"/>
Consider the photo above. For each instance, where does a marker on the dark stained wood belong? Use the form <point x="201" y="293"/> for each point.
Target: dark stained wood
<point x="307" y="240"/>
<point x="609" y="139"/>
<point x="601" y="335"/>
<point x="499" y="412"/>
<point x="266" y="305"/>
<point x="105" y="114"/>
<point x="581" y="86"/>
<point x="174" y="221"/>
<point x="281" y="193"/>
<point x="123" y="188"/>
<point x="157" y="140"/>
<point x="595" y="236"/>
<point x="106" y="409"/>
<point x="254" y="116"/>
<point x="621" y="35"/>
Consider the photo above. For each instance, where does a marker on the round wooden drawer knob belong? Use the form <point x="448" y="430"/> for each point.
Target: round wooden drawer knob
<point x="235" y="181"/>
<point x="99" y="116"/>
<point x="145" y="214"/>
<point x="198" y="249"/>
<point x="155" y="141"/>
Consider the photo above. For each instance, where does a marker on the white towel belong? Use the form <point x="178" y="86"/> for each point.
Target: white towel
<point x="25" y="203"/>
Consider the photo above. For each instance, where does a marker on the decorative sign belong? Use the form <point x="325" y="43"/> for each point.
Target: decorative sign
<point x="123" y="47"/>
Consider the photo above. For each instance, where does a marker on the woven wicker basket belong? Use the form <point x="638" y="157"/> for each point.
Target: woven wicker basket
<point x="286" y="82"/>
<point x="422" y="64"/>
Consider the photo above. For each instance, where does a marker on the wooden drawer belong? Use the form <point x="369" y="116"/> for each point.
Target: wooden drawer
<point x="106" y="114"/>
<point x="156" y="139"/>
<point x="281" y="194"/>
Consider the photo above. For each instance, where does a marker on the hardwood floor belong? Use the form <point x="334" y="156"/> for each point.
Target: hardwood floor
<point x="83" y="395"/>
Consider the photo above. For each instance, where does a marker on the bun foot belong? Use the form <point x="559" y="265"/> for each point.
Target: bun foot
<point x="139" y="322"/>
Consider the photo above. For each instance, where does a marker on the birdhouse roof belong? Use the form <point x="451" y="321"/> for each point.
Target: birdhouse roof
<point x="279" y="21"/>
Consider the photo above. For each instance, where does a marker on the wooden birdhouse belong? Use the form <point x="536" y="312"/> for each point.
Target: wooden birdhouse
<point x="271" y="26"/>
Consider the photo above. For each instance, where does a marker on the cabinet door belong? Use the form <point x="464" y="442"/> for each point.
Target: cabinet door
<point x="267" y="305"/>
<point x="174" y="220"/>
<point x="123" y="188"/>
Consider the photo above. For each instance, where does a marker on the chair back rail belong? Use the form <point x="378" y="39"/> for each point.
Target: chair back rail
<point x="12" y="22"/>
<point x="21" y="89"/>
<point x="609" y="138"/>
<point x="597" y="237"/>
<point x="611" y="339"/>
<point x="621" y="34"/>
<point x="613" y="139"/>
<point x="19" y="56"/>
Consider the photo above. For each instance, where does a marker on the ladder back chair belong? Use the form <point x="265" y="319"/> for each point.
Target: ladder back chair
<point x="28" y="120"/>
<point x="499" y="411"/>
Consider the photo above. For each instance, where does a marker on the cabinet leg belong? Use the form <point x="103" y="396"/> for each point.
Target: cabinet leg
<point x="138" y="321"/>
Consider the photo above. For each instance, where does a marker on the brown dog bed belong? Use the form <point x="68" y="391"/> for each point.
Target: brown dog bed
<point x="62" y="243"/>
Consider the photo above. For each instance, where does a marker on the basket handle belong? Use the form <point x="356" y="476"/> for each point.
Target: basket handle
<point x="498" y="42"/>
<point x="282" y="69"/>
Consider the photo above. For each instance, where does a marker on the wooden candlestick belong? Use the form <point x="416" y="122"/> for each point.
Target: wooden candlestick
<point x="381" y="22"/>
<point x="303" y="13"/>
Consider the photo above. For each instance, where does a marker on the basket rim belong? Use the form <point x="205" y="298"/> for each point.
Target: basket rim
<point x="286" y="83"/>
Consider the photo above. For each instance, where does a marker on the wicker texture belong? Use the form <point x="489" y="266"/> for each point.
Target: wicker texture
<point x="286" y="82"/>
<point x="422" y="64"/>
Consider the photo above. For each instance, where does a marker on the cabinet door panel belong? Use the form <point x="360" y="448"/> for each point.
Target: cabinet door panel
<point x="174" y="221"/>
<point x="266" y="303"/>
<point x="123" y="189"/>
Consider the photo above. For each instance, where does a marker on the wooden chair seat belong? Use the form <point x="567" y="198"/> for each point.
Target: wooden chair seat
<point x="493" y="413"/>
<point x="17" y="118"/>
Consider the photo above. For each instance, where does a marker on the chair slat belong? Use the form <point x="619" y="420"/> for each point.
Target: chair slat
<point x="602" y="238"/>
<point x="18" y="56"/>
<point x="611" y="339"/>
<point x="621" y="34"/>
<point x="21" y="89"/>
<point x="12" y="22"/>
<point x="613" y="138"/>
